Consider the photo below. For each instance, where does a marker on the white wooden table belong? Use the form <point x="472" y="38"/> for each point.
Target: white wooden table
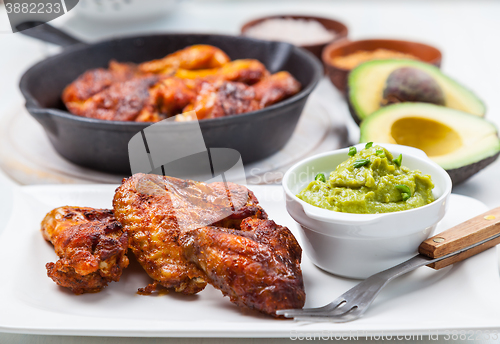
<point x="466" y="31"/>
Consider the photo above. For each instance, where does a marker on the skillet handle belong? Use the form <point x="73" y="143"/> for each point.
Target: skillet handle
<point x="47" y="33"/>
<point x="473" y="231"/>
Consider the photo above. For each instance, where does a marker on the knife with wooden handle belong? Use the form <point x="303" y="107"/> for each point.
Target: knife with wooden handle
<point x="468" y="238"/>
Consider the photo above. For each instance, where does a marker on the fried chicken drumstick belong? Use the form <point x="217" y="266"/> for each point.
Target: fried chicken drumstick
<point x="91" y="245"/>
<point x="187" y="234"/>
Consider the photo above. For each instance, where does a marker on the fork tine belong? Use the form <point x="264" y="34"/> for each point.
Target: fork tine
<point x="335" y="312"/>
<point x="289" y="313"/>
<point x="346" y="317"/>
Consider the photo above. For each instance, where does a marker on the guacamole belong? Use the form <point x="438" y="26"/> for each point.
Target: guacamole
<point x="371" y="181"/>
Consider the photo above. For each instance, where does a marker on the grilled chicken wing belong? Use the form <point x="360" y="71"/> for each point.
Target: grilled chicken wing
<point x="157" y="210"/>
<point x="257" y="266"/>
<point x="247" y="71"/>
<point x="223" y="99"/>
<point x="97" y="80"/>
<point x="194" y="57"/>
<point x="122" y="101"/>
<point x="91" y="245"/>
<point x="167" y="98"/>
<point x="275" y="88"/>
<point x="187" y="233"/>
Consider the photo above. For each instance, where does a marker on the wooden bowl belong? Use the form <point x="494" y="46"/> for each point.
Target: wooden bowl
<point x="330" y="24"/>
<point x="338" y="76"/>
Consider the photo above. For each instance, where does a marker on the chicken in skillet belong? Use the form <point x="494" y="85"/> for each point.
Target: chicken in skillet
<point x="199" y="77"/>
<point x="91" y="245"/>
<point x="199" y="56"/>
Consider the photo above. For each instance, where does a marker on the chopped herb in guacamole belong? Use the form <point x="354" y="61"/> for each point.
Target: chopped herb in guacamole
<point x="370" y="181"/>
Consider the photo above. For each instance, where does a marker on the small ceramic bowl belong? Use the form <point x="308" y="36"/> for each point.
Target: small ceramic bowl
<point x="330" y="24"/>
<point x="338" y="76"/>
<point x="360" y="245"/>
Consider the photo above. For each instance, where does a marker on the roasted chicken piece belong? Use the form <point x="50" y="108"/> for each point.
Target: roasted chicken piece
<point x="122" y="101"/>
<point x="156" y="210"/>
<point x="275" y="88"/>
<point x="96" y="80"/>
<point x="258" y="266"/>
<point x="223" y="99"/>
<point x="199" y="78"/>
<point x="167" y="98"/>
<point x="247" y="71"/>
<point x="193" y="57"/>
<point x="91" y="245"/>
<point x="187" y="233"/>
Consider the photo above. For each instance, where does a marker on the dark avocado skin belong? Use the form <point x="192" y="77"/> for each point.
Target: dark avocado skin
<point x="461" y="174"/>
<point x="351" y="109"/>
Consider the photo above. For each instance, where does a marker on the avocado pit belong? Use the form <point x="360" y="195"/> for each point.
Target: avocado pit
<point x="409" y="84"/>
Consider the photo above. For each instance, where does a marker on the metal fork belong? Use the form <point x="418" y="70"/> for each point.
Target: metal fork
<point x="353" y="304"/>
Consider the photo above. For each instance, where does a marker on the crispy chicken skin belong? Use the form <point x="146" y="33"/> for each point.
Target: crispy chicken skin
<point x="199" y="77"/>
<point x="223" y="99"/>
<point x="258" y="266"/>
<point x="120" y="102"/>
<point x="156" y="210"/>
<point x="91" y="245"/>
<point x="97" y="80"/>
<point x="275" y="88"/>
<point x="247" y="71"/>
<point x="167" y="98"/>
<point x="187" y="234"/>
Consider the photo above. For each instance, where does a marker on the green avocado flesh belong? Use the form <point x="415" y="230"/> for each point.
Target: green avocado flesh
<point x="367" y="85"/>
<point x="459" y="142"/>
<point x="379" y="186"/>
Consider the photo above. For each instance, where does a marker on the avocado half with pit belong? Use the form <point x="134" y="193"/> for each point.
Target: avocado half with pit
<point x="378" y="83"/>
<point x="459" y="142"/>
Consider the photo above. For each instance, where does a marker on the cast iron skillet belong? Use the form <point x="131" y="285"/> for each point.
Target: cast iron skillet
<point x="102" y="145"/>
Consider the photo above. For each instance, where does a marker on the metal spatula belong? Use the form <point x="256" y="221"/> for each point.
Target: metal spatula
<point x="446" y="248"/>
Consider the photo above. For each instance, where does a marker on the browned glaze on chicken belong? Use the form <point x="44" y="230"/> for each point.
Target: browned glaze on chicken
<point x="198" y="56"/>
<point x="199" y="77"/>
<point x="91" y="245"/>
<point x="187" y="234"/>
<point x="167" y="98"/>
<point x="247" y="71"/>
<point x="257" y="266"/>
<point x="223" y="99"/>
<point x="156" y="210"/>
<point x="275" y="88"/>
<point x="97" y="80"/>
<point x="119" y="102"/>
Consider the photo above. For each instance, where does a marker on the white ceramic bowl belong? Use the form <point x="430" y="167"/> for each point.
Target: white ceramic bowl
<point x="360" y="245"/>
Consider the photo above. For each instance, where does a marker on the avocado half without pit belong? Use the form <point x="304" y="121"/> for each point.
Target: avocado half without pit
<point x="379" y="83"/>
<point x="461" y="143"/>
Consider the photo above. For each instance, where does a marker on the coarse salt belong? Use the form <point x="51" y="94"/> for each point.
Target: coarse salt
<point x="295" y="31"/>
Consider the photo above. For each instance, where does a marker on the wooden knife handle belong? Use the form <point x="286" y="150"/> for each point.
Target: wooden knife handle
<point x="465" y="234"/>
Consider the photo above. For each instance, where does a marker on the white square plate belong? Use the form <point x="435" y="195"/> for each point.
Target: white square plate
<point x="464" y="296"/>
